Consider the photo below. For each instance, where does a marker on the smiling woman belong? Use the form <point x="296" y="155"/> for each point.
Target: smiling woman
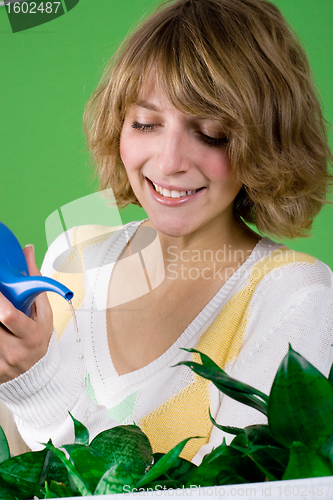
<point x="208" y="119"/>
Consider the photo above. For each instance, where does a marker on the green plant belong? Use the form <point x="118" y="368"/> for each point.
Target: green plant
<point x="117" y="460"/>
<point x="296" y="443"/>
<point x="298" y="440"/>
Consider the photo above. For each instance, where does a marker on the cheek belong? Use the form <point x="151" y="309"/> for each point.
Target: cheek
<point x="125" y="149"/>
<point x="218" y="166"/>
<point x="132" y="152"/>
<point x="220" y="173"/>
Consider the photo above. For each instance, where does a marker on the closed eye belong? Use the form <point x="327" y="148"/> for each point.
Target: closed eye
<point x="144" y="127"/>
<point x="213" y="141"/>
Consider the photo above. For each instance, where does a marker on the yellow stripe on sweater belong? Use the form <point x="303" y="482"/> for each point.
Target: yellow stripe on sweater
<point x="83" y="237"/>
<point x="186" y="413"/>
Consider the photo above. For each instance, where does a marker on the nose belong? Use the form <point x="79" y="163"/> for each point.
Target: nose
<point x="173" y="154"/>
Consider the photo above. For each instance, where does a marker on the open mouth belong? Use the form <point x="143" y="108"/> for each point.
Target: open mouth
<point x="167" y="193"/>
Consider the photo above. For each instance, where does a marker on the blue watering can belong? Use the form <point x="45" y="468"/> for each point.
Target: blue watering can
<point x="15" y="283"/>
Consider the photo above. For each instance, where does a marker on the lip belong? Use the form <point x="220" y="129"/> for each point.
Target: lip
<point x="171" y="202"/>
<point x="171" y="187"/>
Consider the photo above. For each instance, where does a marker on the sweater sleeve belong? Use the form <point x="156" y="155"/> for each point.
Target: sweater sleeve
<point x="285" y="309"/>
<point x="41" y="398"/>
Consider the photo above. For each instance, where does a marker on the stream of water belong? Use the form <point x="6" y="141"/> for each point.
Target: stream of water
<point x="75" y="322"/>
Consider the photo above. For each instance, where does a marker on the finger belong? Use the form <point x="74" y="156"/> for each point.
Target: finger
<point x="23" y="345"/>
<point x="42" y="309"/>
<point x="14" y="320"/>
<point x="24" y="328"/>
<point x="29" y="252"/>
<point x="42" y="313"/>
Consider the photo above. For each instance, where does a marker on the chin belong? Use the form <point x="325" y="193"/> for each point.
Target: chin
<point x="175" y="227"/>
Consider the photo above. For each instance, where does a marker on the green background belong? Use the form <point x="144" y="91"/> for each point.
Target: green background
<point x="47" y="74"/>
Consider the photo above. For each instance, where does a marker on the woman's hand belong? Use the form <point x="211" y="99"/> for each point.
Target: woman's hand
<point x="27" y="339"/>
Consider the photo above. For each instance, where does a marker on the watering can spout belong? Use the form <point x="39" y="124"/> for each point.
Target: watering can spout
<point x="23" y="290"/>
<point x="15" y="283"/>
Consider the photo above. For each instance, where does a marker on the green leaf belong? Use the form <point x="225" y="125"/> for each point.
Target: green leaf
<point x="88" y="463"/>
<point x="49" y="493"/>
<point x="59" y="490"/>
<point x="73" y="473"/>
<point x="239" y="391"/>
<point x="304" y="462"/>
<point x="23" y="471"/>
<point x="330" y="376"/>
<point x="260" y="434"/>
<point x="81" y="432"/>
<point x="271" y="460"/>
<point x="207" y="472"/>
<point x="164" y="464"/>
<point x="326" y="451"/>
<point x="115" y="480"/>
<point x="300" y="404"/>
<point x="126" y="444"/>
<point x="9" y="492"/>
<point x="240" y="442"/>
<point x="205" y="360"/>
<point x="215" y="453"/>
<point x="225" y="462"/>
<point x="209" y="363"/>
<point x="177" y="475"/>
<point x="53" y="470"/>
<point x="226" y="428"/>
<point x="4" y="448"/>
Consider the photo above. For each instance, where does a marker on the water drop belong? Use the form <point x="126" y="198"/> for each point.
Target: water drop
<point x="75" y="322"/>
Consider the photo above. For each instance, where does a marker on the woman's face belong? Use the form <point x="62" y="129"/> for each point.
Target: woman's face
<point x="177" y="165"/>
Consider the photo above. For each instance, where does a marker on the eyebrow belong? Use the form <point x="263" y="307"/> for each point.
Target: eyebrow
<point x="147" y="105"/>
<point x="152" y="107"/>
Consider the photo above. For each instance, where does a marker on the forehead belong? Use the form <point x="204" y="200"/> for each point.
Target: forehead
<point x="159" y="89"/>
<point x="155" y="98"/>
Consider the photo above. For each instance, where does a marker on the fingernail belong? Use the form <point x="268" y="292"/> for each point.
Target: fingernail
<point x="30" y="245"/>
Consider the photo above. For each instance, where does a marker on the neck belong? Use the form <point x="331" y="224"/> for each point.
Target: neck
<point x="229" y="243"/>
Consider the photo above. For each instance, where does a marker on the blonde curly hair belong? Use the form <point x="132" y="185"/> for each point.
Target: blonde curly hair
<point x="236" y="61"/>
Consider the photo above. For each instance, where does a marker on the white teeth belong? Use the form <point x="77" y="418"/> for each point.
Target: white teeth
<point x="173" y="193"/>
